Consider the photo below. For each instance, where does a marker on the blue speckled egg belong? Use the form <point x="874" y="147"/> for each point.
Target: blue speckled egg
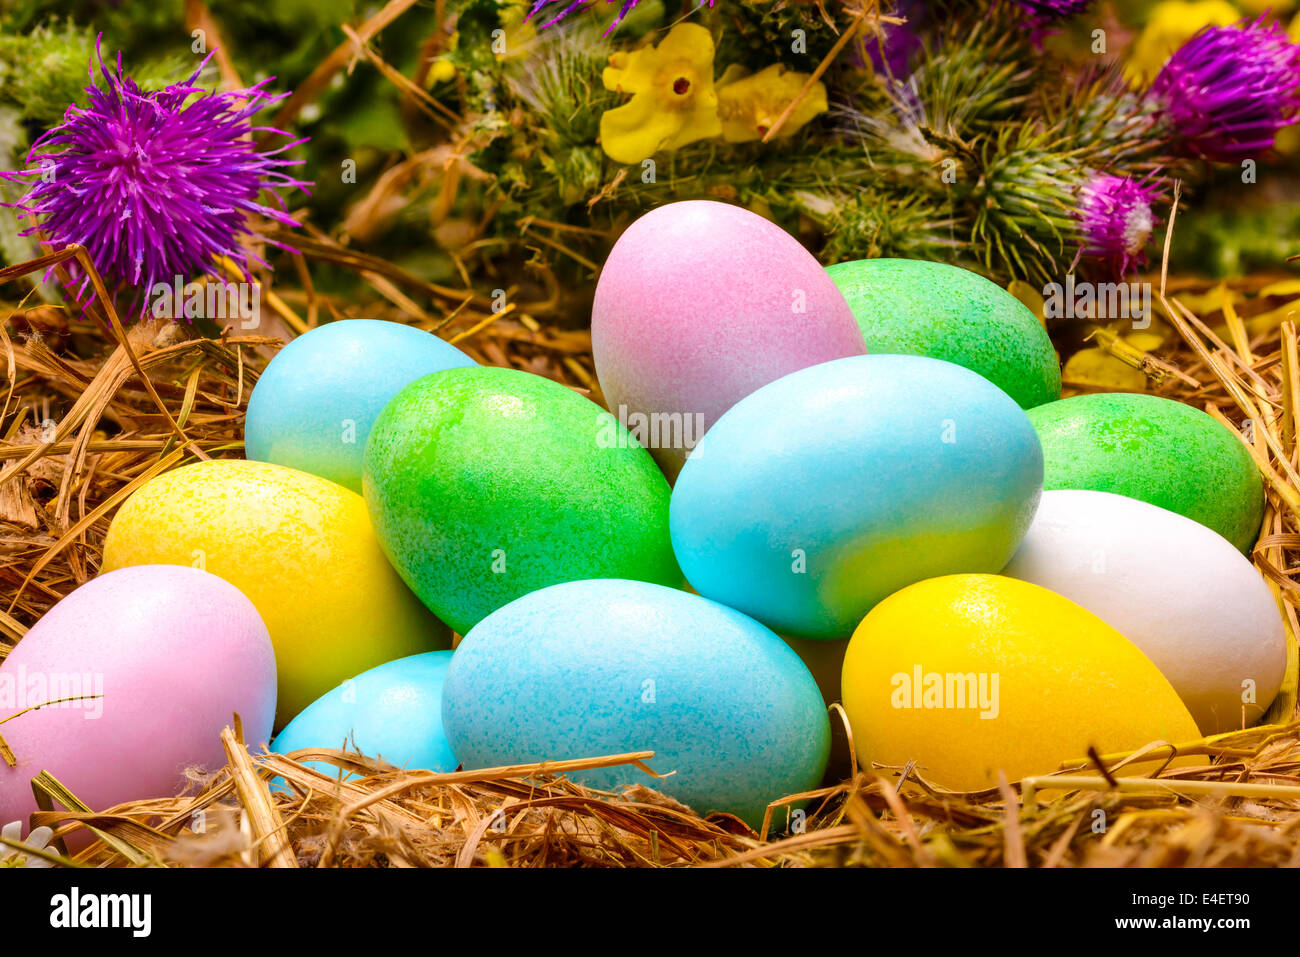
<point x="828" y="490"/>
<point x="607" y="666"/>
<point x="313" y="407"/>
<point x="392" y="712"/>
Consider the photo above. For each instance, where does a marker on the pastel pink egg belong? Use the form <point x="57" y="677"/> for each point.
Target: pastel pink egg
<point x="166" y="654"/>
<point x="698" y="305"/>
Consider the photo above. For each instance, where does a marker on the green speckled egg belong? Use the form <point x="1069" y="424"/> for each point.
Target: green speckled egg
<point x="486" y="484"/>
<point x="1156" y="450"/>
<point x="918" y="308"/>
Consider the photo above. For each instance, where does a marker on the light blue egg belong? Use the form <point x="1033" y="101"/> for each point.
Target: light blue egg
<point x="392" y="712"/>
<point x="608" y="666"/>
<point x="828" y="490"/>
<point x="313" y="407"/>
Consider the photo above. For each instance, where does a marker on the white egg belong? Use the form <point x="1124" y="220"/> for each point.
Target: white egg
<point x="1179" y="591"/>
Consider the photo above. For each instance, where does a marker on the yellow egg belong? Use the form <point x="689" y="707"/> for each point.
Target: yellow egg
<point x="972" y="674"/>
<point x="300" y="548"/>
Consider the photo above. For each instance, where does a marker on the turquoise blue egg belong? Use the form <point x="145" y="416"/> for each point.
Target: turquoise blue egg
<point x="313" y="407"/>
<point x="826" y="491"/>
<point x="392" y="712"/>
<point x="608" y="666"/>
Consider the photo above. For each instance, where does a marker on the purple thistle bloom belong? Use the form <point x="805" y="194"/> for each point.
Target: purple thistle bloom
<point x="1053" y="9"/>
<point x="155" y="184"/>
<point x="892" y="52"/>
<point x="1116" y="219"/>
<point x="1228" y="90"/>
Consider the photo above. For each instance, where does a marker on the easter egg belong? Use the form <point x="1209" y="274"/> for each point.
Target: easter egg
<point x="831" y="488"/>
<point x="485" y="484"/>
<point x="146" y="665"/>
<point x="968" y="675"/>
<point x="918" y="308"/>
<point x="1160" y="451"/>
<point x="1177" y="590"/>
<point x="313" y="407"/>
<point x="699" y="304"/>
<point x="301" y="548"/>
<point x="592" y="668"/>
<point x="392" y="712"/>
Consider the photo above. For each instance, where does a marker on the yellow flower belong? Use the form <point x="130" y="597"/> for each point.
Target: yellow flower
<point x="748" y="107"/>
<point x="1288" y="140"/>
<point x="441" y="71"/>
<point x="673" y="101"/>
<point x="1170" y="25"/>
<point x="1256" y="7"/>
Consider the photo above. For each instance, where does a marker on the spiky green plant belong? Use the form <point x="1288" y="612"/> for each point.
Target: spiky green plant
<point x="1023" y="199"/>
<point x="880" y="222"/>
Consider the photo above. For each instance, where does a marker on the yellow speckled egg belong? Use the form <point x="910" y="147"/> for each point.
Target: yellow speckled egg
<point x="300" y="548"/>
<point x="972" y="674"/>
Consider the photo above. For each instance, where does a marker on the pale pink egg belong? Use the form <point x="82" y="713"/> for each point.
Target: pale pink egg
<point x="160" y="657"/>
<point x="698" y="305"/>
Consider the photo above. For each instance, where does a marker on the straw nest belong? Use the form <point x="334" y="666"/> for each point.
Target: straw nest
<point x="80" y="434"/>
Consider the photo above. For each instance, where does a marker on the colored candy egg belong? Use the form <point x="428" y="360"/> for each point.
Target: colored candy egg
<point x="969" y="675"/>
<point x="159" y="657"/>
<point x="918" y="308"/>
<point x="485" y="484"/>
<point x="833" y="487"/>
<point x="392" y="712"/>
<point x="699" y="304"/>
<point x="313" y="407"/>
<point x="302" y="550"/>
<point x="1177" y="590"/>
<point x="1160" y="451"/>
<point x="592" y="668"/>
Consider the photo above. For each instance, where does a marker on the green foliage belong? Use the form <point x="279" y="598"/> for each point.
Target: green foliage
<point x="1228" y="241"/>
<point x="41" y="73"/>
<point x="1023" y="200"/>
<point x="881" y="222"/>
<point x="756" y="35"/>
<point x="975" y="157"/>
<point x="972" y="77"/>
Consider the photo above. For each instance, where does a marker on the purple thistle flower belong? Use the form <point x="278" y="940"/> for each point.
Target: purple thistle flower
<point x="892" y="52"/>
<point x="1227" y="91"/>
<point x="155" y="184"/>
<point x="1116" y="219"/>
<point x="1053" y="9"/>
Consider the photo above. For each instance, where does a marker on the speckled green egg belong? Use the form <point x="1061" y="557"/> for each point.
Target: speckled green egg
<point x="1157" y="450"/>
<point x="486" y="484"/>
<point x="918" y="308"/>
